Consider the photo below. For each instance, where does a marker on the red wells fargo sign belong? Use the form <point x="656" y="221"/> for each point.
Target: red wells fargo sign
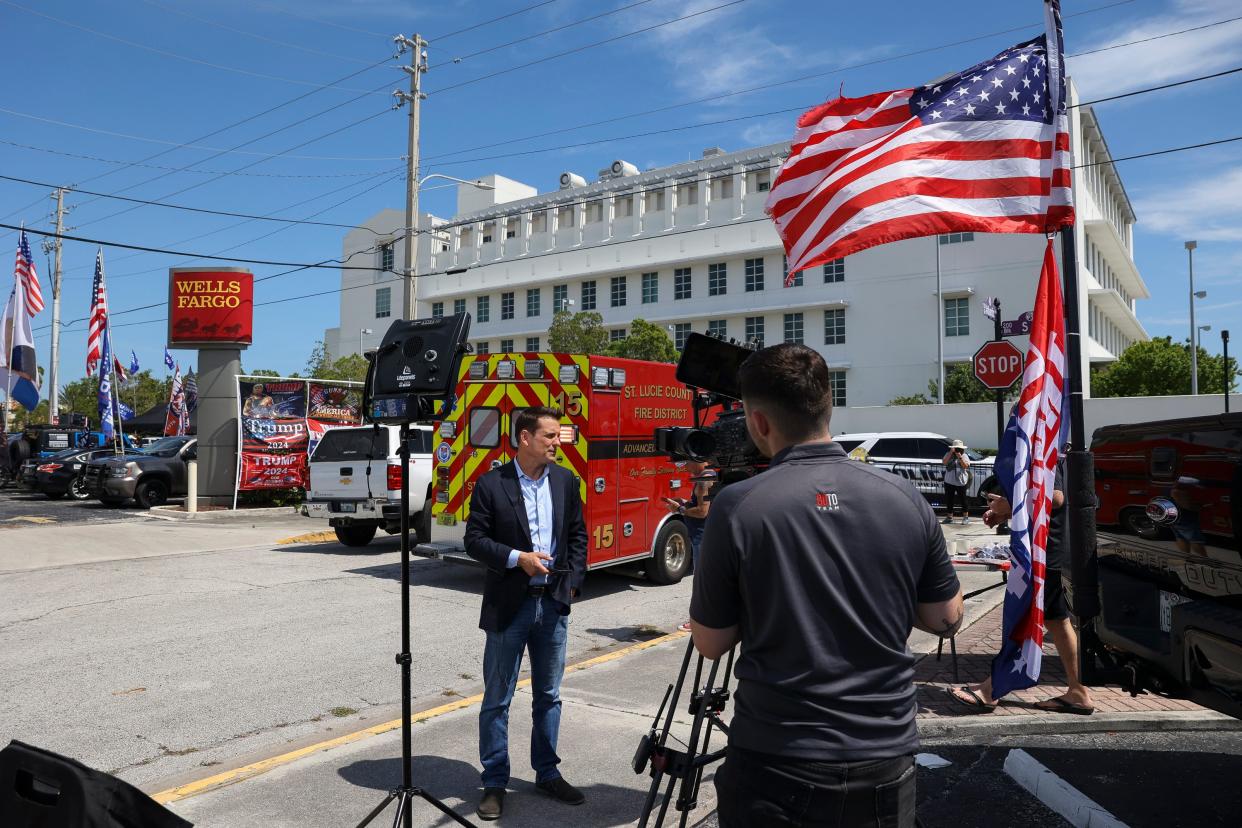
<point x="210" y="306"/>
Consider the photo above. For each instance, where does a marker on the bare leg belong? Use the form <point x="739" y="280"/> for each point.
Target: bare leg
<point x="1065" y="637"/>
<point x="983" y="688"/>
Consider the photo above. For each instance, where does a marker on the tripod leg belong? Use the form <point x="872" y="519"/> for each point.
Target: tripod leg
<point x="378" y="809"/>
<point x="403" y="804"/>
<point x="446" y="810"/>
<point x="668" y="797"/>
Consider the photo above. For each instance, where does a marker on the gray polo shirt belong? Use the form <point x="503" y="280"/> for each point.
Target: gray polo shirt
<point x="820" y="561"/>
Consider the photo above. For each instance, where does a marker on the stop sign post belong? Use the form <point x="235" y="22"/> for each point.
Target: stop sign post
<point x="998" y="364"/>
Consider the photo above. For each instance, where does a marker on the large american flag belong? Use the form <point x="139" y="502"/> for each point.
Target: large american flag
<point x="983" y="150"/>
<point x="98" y="317"/>
<point x="24" y="269"/>
<point x="1026" y="468"/>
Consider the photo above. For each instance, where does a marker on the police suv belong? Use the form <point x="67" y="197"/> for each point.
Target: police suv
<point x="917" y="456"/>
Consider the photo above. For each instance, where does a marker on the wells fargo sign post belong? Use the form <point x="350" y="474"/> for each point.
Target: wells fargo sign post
<point x="212" y="309"/>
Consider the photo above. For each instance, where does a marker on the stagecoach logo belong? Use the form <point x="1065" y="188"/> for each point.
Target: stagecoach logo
<point x="827" y="502"/>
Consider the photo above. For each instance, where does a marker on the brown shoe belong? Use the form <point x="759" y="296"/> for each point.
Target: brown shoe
<point x="562" y="791"/>
<point x="492" y="804"/>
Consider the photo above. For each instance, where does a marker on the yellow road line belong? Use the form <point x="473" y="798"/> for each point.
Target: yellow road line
<point x="263" y="766"/>
<point x="311" y="537"/>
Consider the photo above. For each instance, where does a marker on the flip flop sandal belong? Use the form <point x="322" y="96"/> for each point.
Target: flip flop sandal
<point x="1060" y="705"/>
<point x="977" y="706"/>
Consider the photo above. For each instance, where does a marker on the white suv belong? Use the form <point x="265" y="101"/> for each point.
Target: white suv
<point x="917" y="456"/>
<point x="355" y="482"/>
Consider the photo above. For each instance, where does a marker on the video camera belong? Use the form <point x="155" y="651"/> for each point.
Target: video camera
<point x="709" y="366"/>
<point x="415" y="367"/>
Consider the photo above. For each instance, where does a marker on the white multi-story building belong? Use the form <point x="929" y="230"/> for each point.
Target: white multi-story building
<point x="689" y="247"/>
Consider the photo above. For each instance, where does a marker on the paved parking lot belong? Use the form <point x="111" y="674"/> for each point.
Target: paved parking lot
<point x="22" y="507"/>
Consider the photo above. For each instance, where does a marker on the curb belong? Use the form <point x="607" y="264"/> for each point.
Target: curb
<point x="223" y="515"/>
<point x="1060" y="724"/>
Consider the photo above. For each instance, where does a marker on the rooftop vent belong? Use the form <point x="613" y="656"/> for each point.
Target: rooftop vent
<point x="570" y="180"/>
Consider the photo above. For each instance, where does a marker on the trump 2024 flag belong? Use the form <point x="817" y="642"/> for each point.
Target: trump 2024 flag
<point x="1026" y="468"/>
<point x="983" y="150"/>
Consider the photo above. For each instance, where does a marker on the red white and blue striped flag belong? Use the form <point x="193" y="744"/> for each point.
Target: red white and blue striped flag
<point x="1026" y="469"/>
<point x="24" y="270"/>
<point x="983" y="150"/>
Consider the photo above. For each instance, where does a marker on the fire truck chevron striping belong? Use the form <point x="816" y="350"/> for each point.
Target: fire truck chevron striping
<point x="610" y="407"/>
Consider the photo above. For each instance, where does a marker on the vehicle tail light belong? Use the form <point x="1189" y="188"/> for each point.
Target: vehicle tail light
<point x="442" y="476"/>
<point x="49" y="467"/>
<point x="394" y="476"/>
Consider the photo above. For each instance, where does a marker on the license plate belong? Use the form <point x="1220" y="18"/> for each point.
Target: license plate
<point x="347" y="507"/>
<point x="1168" y="600"/>
<point x="446" y="520"/>
<point x="317" y="508"/>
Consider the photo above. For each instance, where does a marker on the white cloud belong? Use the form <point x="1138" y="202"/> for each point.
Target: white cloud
<point x="1205" y="209"/>
<point x="768" y="131"/>
<point x="1167" y="59"/>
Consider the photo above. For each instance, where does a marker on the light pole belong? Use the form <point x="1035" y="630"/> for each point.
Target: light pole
<point x="410" y="292"/>
<point x="361" y="333"/>
<point x="1194" y="350"/>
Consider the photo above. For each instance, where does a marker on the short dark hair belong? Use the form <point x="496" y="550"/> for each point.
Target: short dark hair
<point x="528" y="419"/>
<point x="794" y="384"/>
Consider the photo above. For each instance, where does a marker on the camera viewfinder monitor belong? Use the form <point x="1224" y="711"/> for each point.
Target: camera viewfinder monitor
<point x="711" y="364"/>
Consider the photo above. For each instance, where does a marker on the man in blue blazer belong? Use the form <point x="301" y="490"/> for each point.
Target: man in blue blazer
<point x="526" y="527"/>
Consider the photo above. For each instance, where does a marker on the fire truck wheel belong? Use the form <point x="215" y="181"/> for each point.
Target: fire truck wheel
<point x="355" y="535"/>
<point x="671" y="561"/>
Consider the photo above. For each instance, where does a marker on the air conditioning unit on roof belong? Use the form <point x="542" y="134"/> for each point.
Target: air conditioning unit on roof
<point x="569" y="180"/>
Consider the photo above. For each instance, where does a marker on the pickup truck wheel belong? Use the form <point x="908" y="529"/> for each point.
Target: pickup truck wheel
<point x="355" y="535"/>
<point x="151" y="493"/>
<point x="671" y="561"/>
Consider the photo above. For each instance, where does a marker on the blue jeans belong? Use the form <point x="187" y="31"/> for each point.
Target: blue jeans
<point x="540" y="628"/>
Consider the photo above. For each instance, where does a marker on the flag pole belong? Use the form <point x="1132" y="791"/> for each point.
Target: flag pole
<point x="118" y="432"/>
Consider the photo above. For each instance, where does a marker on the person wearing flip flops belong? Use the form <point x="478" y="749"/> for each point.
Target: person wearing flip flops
<point x="1077" y="699"/>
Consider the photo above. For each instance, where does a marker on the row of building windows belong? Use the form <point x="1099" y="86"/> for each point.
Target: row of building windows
<point x="1103" y="331"/>
<point x="1103" y="272"/>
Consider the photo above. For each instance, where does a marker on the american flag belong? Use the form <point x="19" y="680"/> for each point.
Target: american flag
<point x="98" y="317"/>
<point x="1026" y="468"/>
<point x="984" y="150"/>
<point x="24" y="269"/>
<point x="190" y="387"/>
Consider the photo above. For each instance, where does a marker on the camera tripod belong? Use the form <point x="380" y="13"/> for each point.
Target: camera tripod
<point x="707" y="702"/>
<point x="407" y="791"/>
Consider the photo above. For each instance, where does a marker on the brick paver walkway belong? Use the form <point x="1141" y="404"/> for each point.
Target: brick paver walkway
<point x="975" y="648"/>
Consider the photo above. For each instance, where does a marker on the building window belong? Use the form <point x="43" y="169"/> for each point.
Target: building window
<point x="754" y="330"/>
<point x="459" y="306"/>
<point x="506" y="346"/>
<point x="481" y="348"/>
<point x="651" y="288"/>
<point x="387" y="255"/>
<point x="560" y="298"/>
<point x="754" y="275"/>
<point x="956" y="238"/>
<point x="793" y="327"/>
<point x="680" y="331"/>
<point x="483" y="309"/>
<point x="532" y="301"/>
<point x="437" y="309"/>
<point x="383" y="303"/>
<point x="588" y="296"/>
<point x="506" y="305"/>
<point x="617" y="291"/>
<point x="681" y="283"/>
<point x="717" y="279"/>
<point x="532" y="343"/>
<point x="836" y="384"/>
<point x="834" y="326"/>
<point x="957" y="317"/>
<point x="834" y="271"/>
<point x="617" y="334"/>
<point x="717" y="328"/>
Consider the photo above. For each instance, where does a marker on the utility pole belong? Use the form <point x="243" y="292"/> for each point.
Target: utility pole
<point x="1194" y="334"/>
<point x="418" y="65"/>
<point x="53" y="374"/>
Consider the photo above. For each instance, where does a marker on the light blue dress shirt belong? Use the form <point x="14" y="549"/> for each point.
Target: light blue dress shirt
<point x="537" y="496"/>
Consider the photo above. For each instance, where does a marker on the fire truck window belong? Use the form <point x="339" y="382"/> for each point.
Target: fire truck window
<point x="485" y="427"/>
<point x="513" y="435"/>
<point x="1163" y="462"/>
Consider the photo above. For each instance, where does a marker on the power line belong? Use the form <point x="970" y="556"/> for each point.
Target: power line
<point x="166" y="53"/>
<point x="766" y="86"/>
<point x="1160" y="152"/>
<point x="1156" y="37"/>
<point x="483" y="23"/>
<point x="578" y="49"/>
<point x="561" y="28"/>
<point x="1157" y="88"/>
<point x="334" y="25"/>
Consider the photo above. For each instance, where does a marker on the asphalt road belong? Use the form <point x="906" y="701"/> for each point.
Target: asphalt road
<point x="22" y="507"/>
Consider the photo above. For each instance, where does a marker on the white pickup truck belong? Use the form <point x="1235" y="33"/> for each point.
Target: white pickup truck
<point x="355" y="482"/>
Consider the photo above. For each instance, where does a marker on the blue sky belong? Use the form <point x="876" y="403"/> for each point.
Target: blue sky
<point x="173" y="71"/>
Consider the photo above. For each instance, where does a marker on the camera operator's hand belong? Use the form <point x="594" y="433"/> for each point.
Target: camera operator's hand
<point x="674" y="504"/>
<point x="998" y="510"/>
<point x="532" y="563"/>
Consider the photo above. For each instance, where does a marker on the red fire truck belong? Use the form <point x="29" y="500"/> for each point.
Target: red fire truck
<point x="610" y="407"/>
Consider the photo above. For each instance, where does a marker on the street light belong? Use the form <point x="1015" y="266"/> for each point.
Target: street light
<point x="361" y="332"/>
<point x="411" y="235"/>
<point x="1200" y="337"/>
<point x="1194" y="350"/>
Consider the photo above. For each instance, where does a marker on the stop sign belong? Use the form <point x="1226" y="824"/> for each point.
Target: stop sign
<point x="998" y="364"/>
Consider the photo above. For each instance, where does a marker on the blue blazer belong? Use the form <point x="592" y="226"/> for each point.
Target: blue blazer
<point x="498" y="525"/>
